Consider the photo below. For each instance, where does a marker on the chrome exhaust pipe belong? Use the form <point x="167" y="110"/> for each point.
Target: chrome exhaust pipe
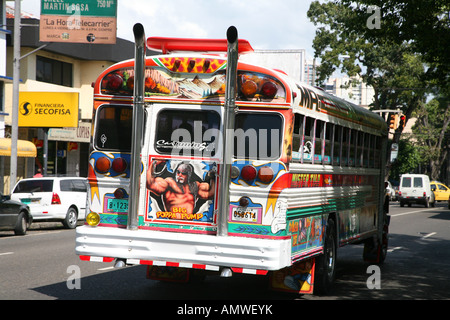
<point x="228" y="129"/>
<point x="138" y="125"/>
<point x="120" y="263"/>
<point x="226" y="273"/>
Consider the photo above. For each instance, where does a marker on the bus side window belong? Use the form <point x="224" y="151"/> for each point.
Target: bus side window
<point x="372" y="151"/>
<point x="352" y="154"/>
<point x="345" y="146"/>
<point x="359" y="150"/>
<point x="297" y="136"/>
<point x="328" y="150"/>
<point x="366" y="151"/>
<point x="308" y="140"/>
<point x="319" y="141"/>
<point x="337" y="145"/>
<point x="377" y="152"/>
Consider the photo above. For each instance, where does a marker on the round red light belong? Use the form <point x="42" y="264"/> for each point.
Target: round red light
<point x="269" y="90"/>
<point x="265" y="174"/>
<point x="130" y="83"/>
<point x="248" y="173"/>
<point x="102" y="164"/>
<point x="119" y="165"/>
<point x="113" y="81"/>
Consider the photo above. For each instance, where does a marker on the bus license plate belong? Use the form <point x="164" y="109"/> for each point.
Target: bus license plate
<point x="117" y="205"/>
<point x="245" y="214"/>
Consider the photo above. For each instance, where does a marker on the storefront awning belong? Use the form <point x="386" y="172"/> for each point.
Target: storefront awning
<point x="24" y="148"/>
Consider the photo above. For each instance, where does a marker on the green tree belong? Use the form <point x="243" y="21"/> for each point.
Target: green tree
<point x="407" y="161"/>
<point x="390" y="66"/>
<point x="431" y="133"/>
<point x="423" y="24"/>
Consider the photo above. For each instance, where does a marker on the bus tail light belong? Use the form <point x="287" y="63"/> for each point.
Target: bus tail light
<point x="265" y="174"/>
<point x="55" y="198"/>
<point x="269" y="90"/>
<point x="119" y="165"/>
<point x="112" y="82"/>
<point x="235" y="172"/>
<point x="103" y="164"/>
<point x="249" y="88"/>
<point x="248" y="173"/>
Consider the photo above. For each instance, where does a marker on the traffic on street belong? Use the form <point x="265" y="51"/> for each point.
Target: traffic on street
<point x="43" y="265"/>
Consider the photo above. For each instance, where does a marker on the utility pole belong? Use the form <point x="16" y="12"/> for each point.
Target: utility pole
<point x="15" y="102"/>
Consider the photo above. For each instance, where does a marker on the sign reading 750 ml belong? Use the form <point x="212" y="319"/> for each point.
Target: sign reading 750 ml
<point x="81" y="21"/>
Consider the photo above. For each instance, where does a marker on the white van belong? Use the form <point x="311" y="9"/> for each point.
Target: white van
<point x="54" y="198"/>
<point x="415" y="188"/>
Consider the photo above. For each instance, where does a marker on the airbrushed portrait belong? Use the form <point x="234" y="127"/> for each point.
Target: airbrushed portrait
<point x="181" y="190"/>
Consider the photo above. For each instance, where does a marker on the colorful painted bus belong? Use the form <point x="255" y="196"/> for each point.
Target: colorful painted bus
<point x="203" y="164"/>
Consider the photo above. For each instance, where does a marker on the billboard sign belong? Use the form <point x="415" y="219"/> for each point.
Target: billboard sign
<point x="78" y="21"/>
<point x="48" y="109"/>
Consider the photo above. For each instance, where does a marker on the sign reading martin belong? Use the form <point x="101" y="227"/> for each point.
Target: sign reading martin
<point x="78" y="21"/>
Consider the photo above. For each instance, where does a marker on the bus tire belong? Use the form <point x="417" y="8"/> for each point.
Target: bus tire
<point x="326" y="263"/>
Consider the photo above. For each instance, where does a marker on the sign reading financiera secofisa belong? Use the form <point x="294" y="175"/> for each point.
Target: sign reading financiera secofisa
<point x="48" y="109"/>
<point x="78" y="21"/>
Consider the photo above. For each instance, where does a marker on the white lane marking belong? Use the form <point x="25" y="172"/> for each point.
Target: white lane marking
<point x="410" y="212"/>
<point x="6" y="253"/>
<point x="107" y="268"/>
<point x="395" y="248"/>
<point x="428" y="235"/>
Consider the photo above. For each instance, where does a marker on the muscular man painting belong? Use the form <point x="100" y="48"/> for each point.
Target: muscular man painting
<point x="181" y="190"/>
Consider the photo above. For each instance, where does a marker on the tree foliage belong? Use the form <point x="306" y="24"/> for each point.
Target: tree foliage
<point x="407" y="161"/>
<point x="391" y="68"/>
<point x="399" y="47"/>
<point x="431" y="133"/>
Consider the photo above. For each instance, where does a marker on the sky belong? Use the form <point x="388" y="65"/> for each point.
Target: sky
<point x="266" y="24"/>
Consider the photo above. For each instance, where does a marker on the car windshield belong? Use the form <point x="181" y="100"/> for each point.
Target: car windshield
<point x="34" y="186"/>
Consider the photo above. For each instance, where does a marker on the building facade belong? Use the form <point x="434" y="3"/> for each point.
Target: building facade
<point x="56" y="67"/>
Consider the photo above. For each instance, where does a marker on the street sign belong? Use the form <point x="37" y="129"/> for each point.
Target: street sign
<point x="394" y="151"/>
<point x="78" y="21"/>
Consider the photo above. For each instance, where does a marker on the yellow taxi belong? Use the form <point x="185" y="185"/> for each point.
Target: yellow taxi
<point x="440" y="190"/>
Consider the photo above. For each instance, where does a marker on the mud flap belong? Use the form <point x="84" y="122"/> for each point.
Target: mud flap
<point x="375" y="251"/>
<point x="171" y="274"/>
<point x="298" y="278"/>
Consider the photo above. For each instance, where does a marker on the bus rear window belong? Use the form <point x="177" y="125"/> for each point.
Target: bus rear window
<point x="113" y="128"/>
<point x="187" y="132"/>
<point x="258" y="136"/>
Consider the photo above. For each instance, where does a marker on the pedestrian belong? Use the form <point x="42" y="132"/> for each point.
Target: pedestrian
<point x="38" y="173"/>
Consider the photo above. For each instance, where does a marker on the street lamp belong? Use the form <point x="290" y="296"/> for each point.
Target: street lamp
<point x="340" y="56"/>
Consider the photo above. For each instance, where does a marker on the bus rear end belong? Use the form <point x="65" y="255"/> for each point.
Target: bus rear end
<point x="180" y="217"/>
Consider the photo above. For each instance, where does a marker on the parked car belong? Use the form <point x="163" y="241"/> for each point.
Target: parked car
<point x="54" y="198"/>
<point x="14" y="215"/>
<point x="390" y="191"/>
<point x="415" y="188"/>
<point x="395" y="185"/>
<point x="440" y="190"/>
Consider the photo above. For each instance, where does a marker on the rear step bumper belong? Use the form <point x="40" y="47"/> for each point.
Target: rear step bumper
<point x="146" y="245"/>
